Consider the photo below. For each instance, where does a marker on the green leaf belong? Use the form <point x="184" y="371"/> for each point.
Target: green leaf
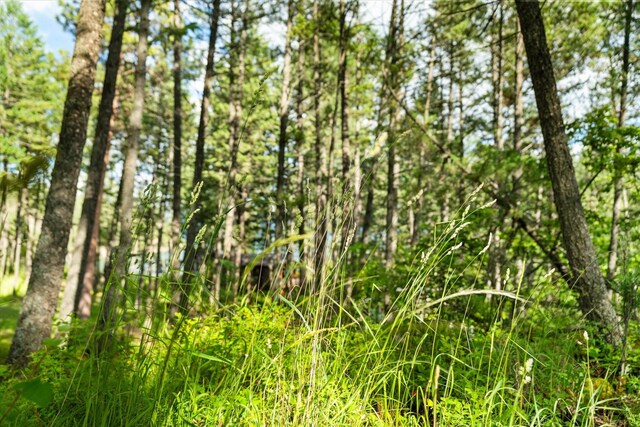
<point x="36" y="391"/>
<point x="51" y="342"/>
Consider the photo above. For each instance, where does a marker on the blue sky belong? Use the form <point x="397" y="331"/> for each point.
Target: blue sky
<point x="43" y="13"/>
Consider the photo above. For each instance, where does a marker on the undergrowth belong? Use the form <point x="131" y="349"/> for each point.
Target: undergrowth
<point x="444" y="351"/>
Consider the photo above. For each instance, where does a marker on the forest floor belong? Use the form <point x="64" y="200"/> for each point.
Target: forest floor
<point x="281" y="362"/>
<point x="9" y="311"/>
<point x="445" y="352"/>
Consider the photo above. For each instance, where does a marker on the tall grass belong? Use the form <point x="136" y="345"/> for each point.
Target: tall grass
<point x="325" y="358"/>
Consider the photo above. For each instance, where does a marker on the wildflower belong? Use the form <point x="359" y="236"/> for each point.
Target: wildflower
<point x="528" y="365"/>
<point x="586" y="336"/>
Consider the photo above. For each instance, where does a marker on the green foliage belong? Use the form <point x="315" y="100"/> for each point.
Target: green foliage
<point x="608" y="146"/>
<point x="440" y="351"/>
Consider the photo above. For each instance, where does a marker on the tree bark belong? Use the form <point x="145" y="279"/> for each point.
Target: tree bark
<point x="176" y="202"/>
<point x="284" y="120"/>
<point x="348" y="203"/>
<point x="417" y="217"/>
<point x="131" y="149"/>
<point x="618" y="185"/>
<point x="393" y="169"/>
<point x="77" y="293"/>
<point x="191" y="253"/>
<point x="320" y="159"/>
<point x="300" y="148"/>
<point x="39" y="304"/>
<point x="236" y="79"/>
<point x="496" y="80"/>
<point x="589" y="281"/>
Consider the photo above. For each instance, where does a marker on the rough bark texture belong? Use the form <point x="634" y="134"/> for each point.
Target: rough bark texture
<point x="77" y="293"/>
<point x="589" y="282"/>
<point x="39" y="304"/>
<point x="194" y="226"/>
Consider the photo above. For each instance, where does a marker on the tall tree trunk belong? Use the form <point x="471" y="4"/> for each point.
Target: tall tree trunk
<point x="415" y="231"/>
<point x="589" y="282"/>
<point x="236" y="79"/>
<point x="39" y="304"/>
<point x="320" y="158"/>
<point x="177" y="130"/>
<point x="77" y="293"/>
<point x="347" y="176"/>
<point x="131" y="149"/>
<point x="396" y="29"/>
<point x="497" y="251"/>
<point x="195" y="224"/>
<point x="496" y="80"/>
<point x="357" y="154"/>
<point x="518" y="124"/>
<point x="618" y="185"/>
<point x="300" y="148"/>
<point x="518" y="112"/>
<point x="284" y="120"/>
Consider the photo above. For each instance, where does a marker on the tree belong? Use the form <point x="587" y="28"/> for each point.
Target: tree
<point x="78" y="290"/>
<point x="589" y="281"/>
<point x="196" y="222"/>
<point x="618" y="184"/>
<point x="284" y="120"/>
<point x="394" y="44"/>
<point x="320" y="150"/>
<point x="177" y="128"/>
<point x="127" y="182"/>
<point x="39" y="304"/>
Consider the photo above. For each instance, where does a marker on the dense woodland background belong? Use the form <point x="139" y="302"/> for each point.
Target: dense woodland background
<point x="291" y="213"/>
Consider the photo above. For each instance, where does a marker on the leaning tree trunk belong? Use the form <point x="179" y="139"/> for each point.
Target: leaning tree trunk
<point x="77" y="292"/>
<point x="39" y="304"/>
<point x="589" y="281"/>
<point x="125" y="217"/>
<point x="194" y="225"/>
